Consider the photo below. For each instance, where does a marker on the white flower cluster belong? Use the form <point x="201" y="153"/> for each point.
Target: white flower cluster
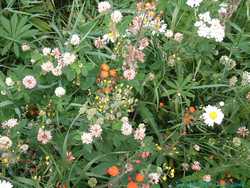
<point x="10" y="123"/>
<point x="210" y="28"/>
<point x="104" y="6"/>
<point x="193" y="3"/>
<point x="60" y="91"/>
<point x="5" y="143"/>
<point x="245" y="78"/>
<point x="228" y="62"/>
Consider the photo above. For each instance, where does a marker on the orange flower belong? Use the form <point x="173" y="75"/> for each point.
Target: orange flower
<point x="104" y="67"/>
<point x="139" y="177"/>
<point x="104" y="74"/>
<point x="113" y="171"/>
<point x="132" y="185"/>
<point x="113" y="73"/>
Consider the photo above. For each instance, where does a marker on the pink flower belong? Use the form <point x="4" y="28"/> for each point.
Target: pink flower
<point x="69" y="156"/>
<point x="139" y="133"/>
<point x="196" y="166"/>
<point x="178" y="37"/>
<point x="57" y="71"/>
<point x="29" y="82"/>
<point x="207" y="178"/>
<point x="47" y="67"/>
<point x="95" y="130"/>
<point x="145" y="185"/>
<point x="56" y="52"/>
<point x="144" y="154"/>
<point x="243" y="132"/>
<point x="129" y="74"/>
<point x="86" y="138"/>
<point x="129" y="167"/>
<point x="44" y="136"/>
<point x="99" y="43"/>
<point x="143" y="43"/>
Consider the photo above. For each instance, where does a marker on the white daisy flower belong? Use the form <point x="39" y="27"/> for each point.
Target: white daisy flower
<point x="212" y="115"/>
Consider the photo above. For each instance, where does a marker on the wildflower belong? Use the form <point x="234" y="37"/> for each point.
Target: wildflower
<point x="178" y="37"/>
<point x="154" y="177"/>
<point x="5" y="143"/>
<point x="129" y="167"/>
<point x="228" y="62"/>
<point x="46" y="51"/>
<point x="143" y="43"/>
<point x="245" y="78"/>
<point x="139" y="133"/>
<point x="75" y="39"/>
<point x="145" y="185"/>
<point x="193" y="3"/>
<point x="210" y="28"/>
<point x="139" y="177"/>
<point x="47" y="67"/>
<point x="126" y="128"/>
<point x="44" y="136"/>
<point x="144" y="154"/>
<point x="129" y="74"/>
<point x="57" y="71"/>
<point x="232" y="81"/>
<point x="10" y="123"/>
<point x="113" y="171"/>
<point x="56" y="52"/>
<point x="25" y="47"/>
<point x="5" y="184"/>
<point x="99" y="43"/>
<point x="185" y="166"/>
<point x="29" y="82"/>
<point x="206" y="178"/>
<point x="68" y="58"/>
<point x="104" y="6"/>
<point x="197" y="147"/>
<point x="132" y="184"/>
<point x="212" y="115"/>
<point x="248" y="96"/>
<point x="196" y="166"/>
<point x="95" y="130"/>
<point x="9" y="82"/>
<point x="24" y="148"/>
<point x="116" y="16"/>
<point x="223" y="9"/>
<point x="221" y="103"/>
<point x="86" y="138"/>
<point x="69" y="156"/>
<point x="60" y="91"/>
<point x="169" y="34"/>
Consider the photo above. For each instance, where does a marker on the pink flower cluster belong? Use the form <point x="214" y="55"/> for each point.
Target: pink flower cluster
<point x="95" y="131"/>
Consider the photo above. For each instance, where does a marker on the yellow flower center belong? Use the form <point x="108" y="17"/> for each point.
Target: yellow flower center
<point x="213" y="115"/>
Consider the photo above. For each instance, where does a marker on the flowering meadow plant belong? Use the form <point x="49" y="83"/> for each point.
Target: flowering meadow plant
<point x="136" y="94"/>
